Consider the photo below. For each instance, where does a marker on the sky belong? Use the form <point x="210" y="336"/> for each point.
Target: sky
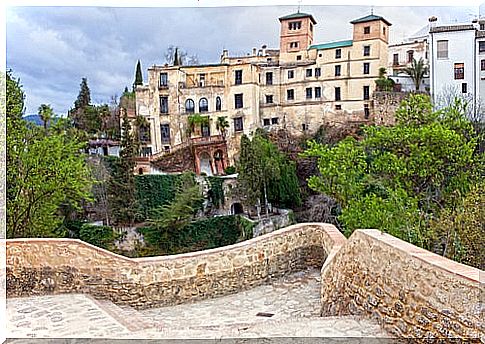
<point x="50" y="48"/>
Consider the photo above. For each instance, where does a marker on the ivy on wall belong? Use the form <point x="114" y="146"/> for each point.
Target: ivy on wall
<point x="216" y="192"/>
<point x="153" y="191"/>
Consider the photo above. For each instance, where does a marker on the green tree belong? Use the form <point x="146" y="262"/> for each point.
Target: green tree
<point x="398" y="178"/>
<point x="416" y="71"/>
<point x="221" y="125"/>
<point x="44" y="172"/>
<point x="46" y="113"/>
<point x="138" y="75"/>
<point x="384" y="83"/>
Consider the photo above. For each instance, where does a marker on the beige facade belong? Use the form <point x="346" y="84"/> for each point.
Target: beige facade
<point x="299" y="87"/>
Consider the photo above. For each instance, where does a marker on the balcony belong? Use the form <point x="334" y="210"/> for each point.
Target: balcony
<point x="204" y="140"/>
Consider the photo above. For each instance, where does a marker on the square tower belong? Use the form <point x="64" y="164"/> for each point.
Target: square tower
<point x="296" y="32"/>
<point x="371" y="27"/>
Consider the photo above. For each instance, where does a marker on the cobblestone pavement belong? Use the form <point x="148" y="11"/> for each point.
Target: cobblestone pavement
<point x="287" y="307"/>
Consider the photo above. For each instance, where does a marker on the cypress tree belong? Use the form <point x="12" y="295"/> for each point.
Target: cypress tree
<point x="138" y="74"/>
<point x="84" y="96"/>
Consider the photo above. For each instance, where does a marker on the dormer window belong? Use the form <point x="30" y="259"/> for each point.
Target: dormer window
<point x="294" y="25"/>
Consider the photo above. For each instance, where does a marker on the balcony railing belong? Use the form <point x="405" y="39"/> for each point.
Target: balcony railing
<point x="207" y="139"/>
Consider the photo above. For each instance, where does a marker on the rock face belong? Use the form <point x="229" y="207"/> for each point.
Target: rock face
<point x="411" y="292"/>
<point x="50" y="266"/>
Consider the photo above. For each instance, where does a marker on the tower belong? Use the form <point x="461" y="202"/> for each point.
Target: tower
<point x="371" y="27"/>
<point x="296" y="32"/>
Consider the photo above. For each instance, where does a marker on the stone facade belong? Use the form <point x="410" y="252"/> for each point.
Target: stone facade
<point x="411" y="292"/>
<point x="51" y="266"/>
<point x="385" y="105"/>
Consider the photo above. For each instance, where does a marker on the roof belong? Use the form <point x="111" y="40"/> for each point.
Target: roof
<point x="331" y="45"/>
<point x="370" y="17"/>
<point x="298" y="15"/>
<point x="451" y="28"/>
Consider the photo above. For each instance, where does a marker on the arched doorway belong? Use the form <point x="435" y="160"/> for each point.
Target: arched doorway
<point x="237" y="208"/>
<point x="219" y="161"/>
<point x="205" y="163"/>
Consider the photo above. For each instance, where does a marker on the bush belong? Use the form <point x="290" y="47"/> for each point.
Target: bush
<point x="230" y="170"/>
<point x="101" y="236"/>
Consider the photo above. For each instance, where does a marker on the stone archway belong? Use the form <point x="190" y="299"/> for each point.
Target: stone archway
<point x="237" y="208"/>
<point x="205" y="163"/>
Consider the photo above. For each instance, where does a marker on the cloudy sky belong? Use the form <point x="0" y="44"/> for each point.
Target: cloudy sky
<point x="51" y="48"/>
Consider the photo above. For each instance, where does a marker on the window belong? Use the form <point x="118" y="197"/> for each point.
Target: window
<point x="165" y="130"/>
<point x="164" y="104"/>
<point x="293" y="45"/>
<point x="366" y="50"/>
<point x="459" y="71"/>
<point x="311" y="27"/>
<point x="266" y="121"/>
<point x="238" y="77"/>
<point x="269" y="99"/>
<point x="304" y="127"/>
<point x="308" y="92"/>
<point x="482" y="27"/>
<point x="206" y="132"/>
<point x="201" y="80"/>
<point x="290" y="94"/>
<point x="338" y="107"/>
<point x="366" y="111"/>
<point x="481" y="47"/>
<point x="189" y="106"/>
<point x="337" y="70"/>
<point x="238" y="124"/>
<point x="294" y="25"/>
<point x="163" y="79"/>
<point x="309" y="72"/>
<point x="410" y="56"/>
<point x="318" y="92"/>
<point x="482" y="65"/>
<point x="366" y="92"/>
<point x="463" y="88"/>
<point x="203" y="105"/>
<point x="366" y="68"/>
<point x="337" y="94"/>
<point x="298" y="57"/>
<point x="269" y="78"/>
<point x="338" y="53"/>
<point x="144" y="133"/>
<point x="395" y="59"/>
<point x="291" y="74"/>
<point x="274" y="120"/>
<point x="384" y="31"/>
<point x="442" y="49"/>
<point x="218" y="104"/>
<point x="318" y="72"/>
<point x="238" y="101"/>
<point x="366" y="30"/>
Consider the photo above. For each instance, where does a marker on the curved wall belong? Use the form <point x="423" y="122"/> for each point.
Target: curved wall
<point x="47" y="266"/>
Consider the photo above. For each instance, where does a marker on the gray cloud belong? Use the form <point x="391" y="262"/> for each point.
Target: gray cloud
<point x="52" y="48"/>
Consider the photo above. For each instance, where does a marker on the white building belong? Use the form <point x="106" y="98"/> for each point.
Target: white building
<point x="457" y="63"/>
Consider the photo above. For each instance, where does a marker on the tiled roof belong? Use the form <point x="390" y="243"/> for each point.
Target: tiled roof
<point x="298" y="15"/>
<point x="370" y="17"/>
<point x="331" y="45"/>
<point x="450" y="28"/>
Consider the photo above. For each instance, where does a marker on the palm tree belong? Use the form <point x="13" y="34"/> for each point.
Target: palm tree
<point x="416" y="71"/>
<point x="221" y="125"/>
<point x="46" y="113"/>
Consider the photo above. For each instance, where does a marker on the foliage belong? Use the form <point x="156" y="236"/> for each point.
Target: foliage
<point x="230" y="170"/>
<point x="121" y="186"/>
<point x="221" y="125"/>
<point x="45" y="171"/>
<point x="384" y="83"/>
<point x="196" y="120"/>
<point x="216" y="192"/>
<point x="170" y="218"/>
<point x="397" y="178"/>
<point x="417" y="71"/>
<point x="266" y="174"/>
<point x="178" y="57"/>
<point x="46" y="113"/>
<point x="462" y="227"/>
<point x="138" y="75"/>
<point x="198" y="235"/>
<point x="101" y="236"/>
<point x="153" y="191"/>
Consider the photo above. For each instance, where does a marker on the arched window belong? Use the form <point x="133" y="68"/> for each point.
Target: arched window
<point x="203" y="105"/>
<point x="218" y="104"/>
<point x="189" y="106"/>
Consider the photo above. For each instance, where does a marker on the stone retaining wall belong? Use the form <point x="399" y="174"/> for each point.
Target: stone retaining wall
<point x="48" y="266"/>
<point x="410" y="291"/>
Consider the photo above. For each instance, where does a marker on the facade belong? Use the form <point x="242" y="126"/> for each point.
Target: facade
<point x="299" y="87"/>
<point x="457" y="63"/>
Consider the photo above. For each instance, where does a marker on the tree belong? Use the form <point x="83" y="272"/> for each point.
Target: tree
<point x="417" y="71"/>
<point x="221" y="125"/>
<point x="84" y="96"/>
<point x="138" y="75"/>
<point x="121" y="186"/>
<point x="46" y="113"/>
<point x="384" y="83"/>
<point x="177" y="57"/>
<point x="399" y="178"/>
<point x="44" y="172"/>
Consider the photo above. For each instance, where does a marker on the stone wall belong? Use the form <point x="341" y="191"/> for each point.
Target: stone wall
<point x="385" y="105"/>
<point x="48" y="266"/>
<point x="408" y="290"/>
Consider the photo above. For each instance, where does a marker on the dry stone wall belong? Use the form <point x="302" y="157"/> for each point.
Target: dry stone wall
<point x="48" y="266"/>
<point x="411" y="292"/>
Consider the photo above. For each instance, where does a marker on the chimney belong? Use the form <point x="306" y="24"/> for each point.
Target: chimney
<point x="254" y="51"/>
<point x="224" y="54"/>
<point x="263" y="48"/>
<point x="432" y="22"/>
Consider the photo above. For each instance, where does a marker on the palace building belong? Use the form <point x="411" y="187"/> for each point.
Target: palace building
<point x="298" y="87"/>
